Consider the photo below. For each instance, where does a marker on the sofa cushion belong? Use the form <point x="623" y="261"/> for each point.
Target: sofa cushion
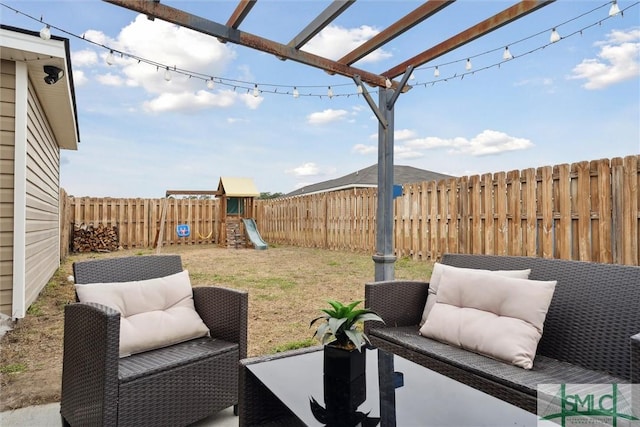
<point x="154" y="313"/>
<point x="436" y="275"/>
<point x="546" y="370"/>
<point x="501" y="317"/>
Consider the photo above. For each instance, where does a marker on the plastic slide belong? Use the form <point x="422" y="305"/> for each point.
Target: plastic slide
<point x="252" y="231"/>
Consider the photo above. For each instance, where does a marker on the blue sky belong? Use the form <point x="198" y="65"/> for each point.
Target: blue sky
<point x="574" y="100"/>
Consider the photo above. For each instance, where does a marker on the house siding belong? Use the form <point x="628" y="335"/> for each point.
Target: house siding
<point x="42" y="249"/>
<point x="7" y="155"/>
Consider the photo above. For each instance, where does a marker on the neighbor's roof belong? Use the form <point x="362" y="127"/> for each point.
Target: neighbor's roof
<point x="58" y="100"/>
<point x="237" y="187"/>
<point x="368" y="177"/>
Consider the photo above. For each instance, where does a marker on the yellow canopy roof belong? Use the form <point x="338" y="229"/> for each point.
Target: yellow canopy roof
<point x="237" y="187"/>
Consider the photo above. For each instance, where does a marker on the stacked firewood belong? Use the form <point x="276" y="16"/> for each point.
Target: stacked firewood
<point x="90" y="238"/>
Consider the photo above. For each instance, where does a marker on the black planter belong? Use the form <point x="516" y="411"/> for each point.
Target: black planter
<point x="345" y="365"/>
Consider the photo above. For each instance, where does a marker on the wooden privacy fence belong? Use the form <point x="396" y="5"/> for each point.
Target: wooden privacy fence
<point x="138" y="221"/>
<point x="585" y="211"/>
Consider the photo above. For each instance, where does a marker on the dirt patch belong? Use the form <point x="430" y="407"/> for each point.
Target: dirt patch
<point x="287" y="286"/>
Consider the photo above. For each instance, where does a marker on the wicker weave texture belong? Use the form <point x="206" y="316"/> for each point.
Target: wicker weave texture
<point x="172" y="386"/>
<point x="587" y="333"/>
<point x="593" y="314"/>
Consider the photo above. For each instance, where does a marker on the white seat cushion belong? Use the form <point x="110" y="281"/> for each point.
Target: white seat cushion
<point x="436" y="274"/>
<point x="501" y="317"/>
<point x="154" y="313"/>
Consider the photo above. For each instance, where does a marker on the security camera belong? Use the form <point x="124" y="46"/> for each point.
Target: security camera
<point x="53" y="74"/>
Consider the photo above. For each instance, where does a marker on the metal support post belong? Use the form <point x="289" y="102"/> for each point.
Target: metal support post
<point x="384" y="258"/>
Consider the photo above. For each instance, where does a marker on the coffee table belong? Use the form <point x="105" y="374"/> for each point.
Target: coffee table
<point x="279" y="390"/>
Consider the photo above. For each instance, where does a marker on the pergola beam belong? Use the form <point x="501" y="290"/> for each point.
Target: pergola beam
<point x="325" y="18"/>
<point x="404" y="24"/>
<point x="233" y="35"/>
<point x="241" y="12"/>
<point x="517" y="11"/>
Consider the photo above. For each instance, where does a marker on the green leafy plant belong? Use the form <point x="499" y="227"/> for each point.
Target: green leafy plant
<point x="342" y="325"/>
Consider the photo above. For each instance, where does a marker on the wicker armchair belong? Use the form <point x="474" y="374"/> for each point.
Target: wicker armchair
<point x="172" y="386"/>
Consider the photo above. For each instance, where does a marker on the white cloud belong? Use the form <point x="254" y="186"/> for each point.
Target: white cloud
<point x="84" y="58"/>
<point x="306" y="169"/>
<point x="326" y="116"/>
<point x="172" y="45"/>
<point x="399" y="135"/>
<point x="252" y="102"/>
<point x="364" y="149"/>
<point x="79" y="78"/>
<point x="97" y="37"/>
<point x="187" y="101"/>
<point x="110" y="79"/>
<point x="233" y="120"/>
<point x="334" y="41"/>
<point x="617" y="61"/>
<point x="490" y="142"/>
<point x="486" y="143"/>
<point x="403" y="134"/>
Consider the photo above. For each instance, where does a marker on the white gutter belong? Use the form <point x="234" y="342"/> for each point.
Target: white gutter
<point x="342" y="187"/>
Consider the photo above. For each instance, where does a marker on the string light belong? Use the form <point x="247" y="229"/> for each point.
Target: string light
<point x="210" y="83"/>
<point x="412" y="76"/>
<point x="238" y="84"/>
<point x="330" y="92"/>
<point x="296" y="93"/>
<point x="359" y="89"/>
<point x="387" y="83"/>
<point x="614" y="8"/>
<point x="506" y="55"/>
<point x="109" y="60"/>
<point x="256" y="92"/>
<point x="468" y="65"/>
<point x="45" y="32"/>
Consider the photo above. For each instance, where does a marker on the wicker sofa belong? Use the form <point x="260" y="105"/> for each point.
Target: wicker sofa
<point x="591" y="332"/>
<point x="169" y="386"/>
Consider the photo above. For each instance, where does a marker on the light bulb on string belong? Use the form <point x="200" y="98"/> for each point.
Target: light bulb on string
<point x="210" y="83"/>
<point x="468" y="65"/>
<point x="45" y="32"/>
<point x="412" y="76"/>
<point x="555" y="36"/>
<point x="330" y="92"/>
<point x="436" y="72"/>
<point x="506" y="55"/>
<point x="256" y="91"/>
<point x="359" y="89"/>
<point x="296" y="93"/>
<point x="615" y="9"/>
<point x="387" y="83"/>
<point x="167" y="75"/>
<point x="110" y="58"/>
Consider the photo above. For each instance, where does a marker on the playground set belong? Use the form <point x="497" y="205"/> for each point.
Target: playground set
<point x="236" y="206"/>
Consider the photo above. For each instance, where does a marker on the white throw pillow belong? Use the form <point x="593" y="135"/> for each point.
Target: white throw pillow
<point x="501" y="317"/>
<point x="154" y="313"/>
<point x="436" y="274"/>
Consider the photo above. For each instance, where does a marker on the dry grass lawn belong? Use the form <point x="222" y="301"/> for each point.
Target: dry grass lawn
<point x="286" y="285"/>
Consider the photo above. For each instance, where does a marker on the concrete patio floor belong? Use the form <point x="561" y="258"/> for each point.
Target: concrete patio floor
<point x="49" y="415"/>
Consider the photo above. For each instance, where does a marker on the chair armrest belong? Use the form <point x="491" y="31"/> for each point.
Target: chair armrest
<point x="225" y="312"/>
<point x="90" y="364"/>
<point x="398" y="302"/>
<point x="635" y="359"/>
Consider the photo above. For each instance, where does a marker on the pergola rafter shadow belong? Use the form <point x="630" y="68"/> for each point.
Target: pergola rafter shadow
<point x="389" y="89"/>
